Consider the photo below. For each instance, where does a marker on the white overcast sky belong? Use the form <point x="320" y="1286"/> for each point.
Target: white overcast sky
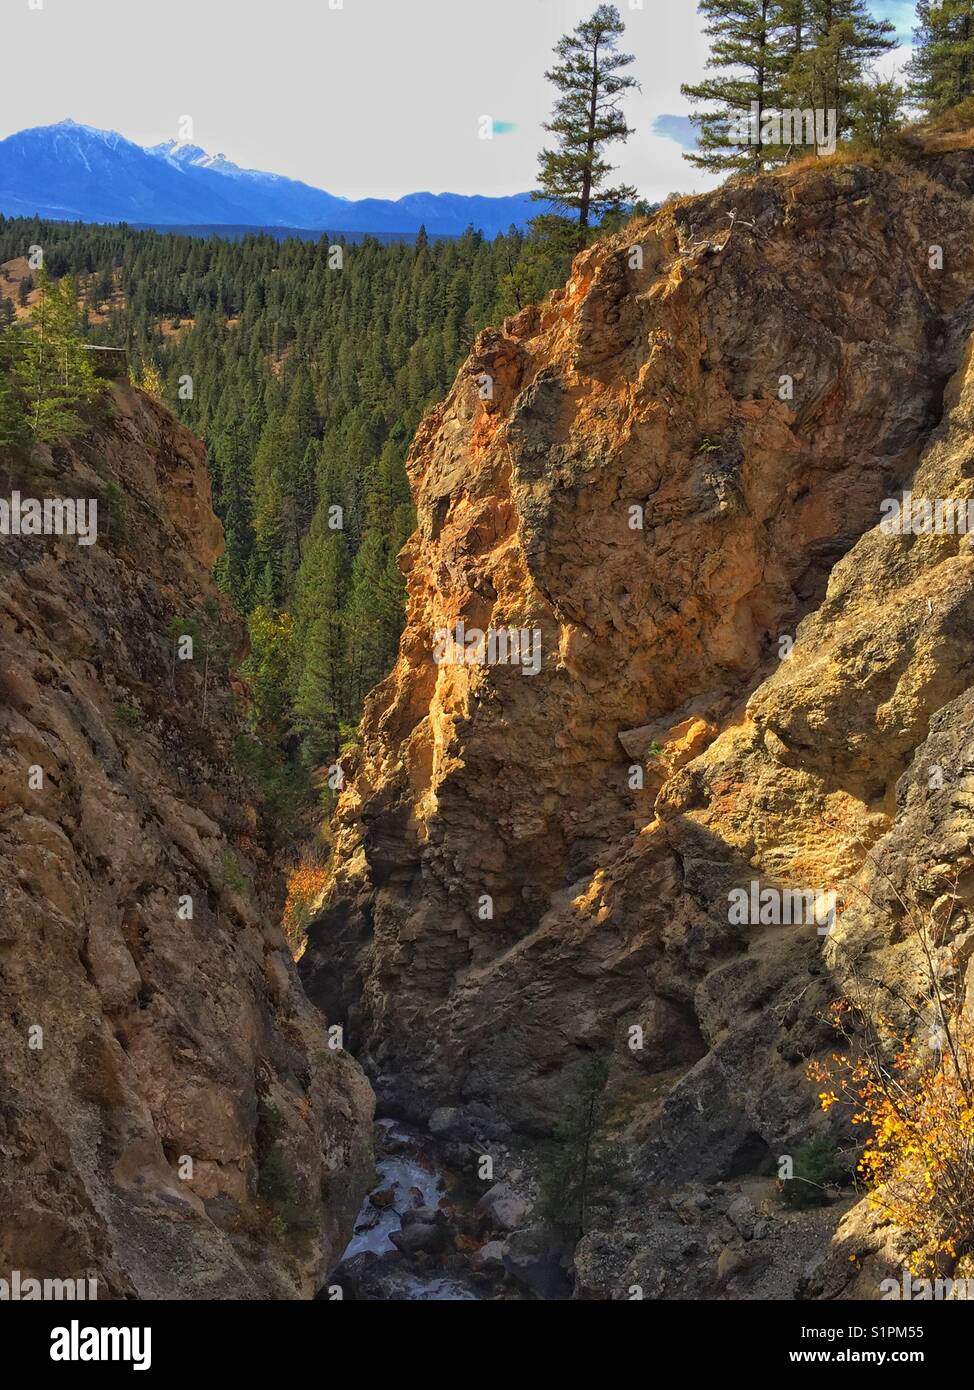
<point x="375" y="98"/>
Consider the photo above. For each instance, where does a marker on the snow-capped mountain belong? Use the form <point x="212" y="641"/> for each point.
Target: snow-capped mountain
<point x="181" y="152"/>
<point x="75" y="172"/>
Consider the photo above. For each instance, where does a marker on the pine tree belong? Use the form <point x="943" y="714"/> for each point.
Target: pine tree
<point x="582" y="1164"/>
<point x="303" y="486"/>
<point x="373" y="615"/>
<point x="841" y="40"/>
<point x="231" y="466"/>
<point x="274" y="536"/>
<point x="13" y="423"/>
<point x="539" y="264"/>
<point x="317" y="648"/>
<point x="878" y="106"/>
<point x="102" y="288"/>
<point x="587" y="118"/>
<point x="940" y="73"/>
<point x="300" y="421"/>
<point x="267" y="666"/>
<point x="316" y="702"/>
<point x="263" y="585"/>
<point x="749" y="47"/>
<point x="54" y="370"/>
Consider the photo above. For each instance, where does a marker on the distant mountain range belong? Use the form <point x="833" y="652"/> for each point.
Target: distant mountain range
<point x="72" y="172"/>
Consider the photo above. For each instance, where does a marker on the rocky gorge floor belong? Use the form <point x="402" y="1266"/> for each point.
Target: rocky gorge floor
<point x="425" y="1234"/>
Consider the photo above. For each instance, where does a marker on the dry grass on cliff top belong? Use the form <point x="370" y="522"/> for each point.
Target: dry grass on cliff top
<point x="952" y="131"/>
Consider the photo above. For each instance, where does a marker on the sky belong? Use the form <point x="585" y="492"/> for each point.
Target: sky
<point x="364" y="98"/>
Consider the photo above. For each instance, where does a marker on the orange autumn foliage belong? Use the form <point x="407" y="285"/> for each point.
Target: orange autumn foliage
<point x="916" y="1097"/>
<point x="304" y="885"/>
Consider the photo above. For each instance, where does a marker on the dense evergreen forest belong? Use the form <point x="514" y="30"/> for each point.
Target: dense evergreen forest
<point x="305" y="367"/>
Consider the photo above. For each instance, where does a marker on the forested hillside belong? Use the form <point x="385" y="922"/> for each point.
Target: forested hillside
<point x="643" y="910"/>
<point x="306" y="368"/>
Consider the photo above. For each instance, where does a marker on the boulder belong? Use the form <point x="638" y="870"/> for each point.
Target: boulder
<point x="491" y="1255"/>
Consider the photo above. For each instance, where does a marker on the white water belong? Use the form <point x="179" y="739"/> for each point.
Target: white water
<point x="414" y="1184"/>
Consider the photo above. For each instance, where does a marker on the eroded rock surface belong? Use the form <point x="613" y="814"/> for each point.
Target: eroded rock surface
<point x="755" y="370"/>
<point x="163" y="1037"/>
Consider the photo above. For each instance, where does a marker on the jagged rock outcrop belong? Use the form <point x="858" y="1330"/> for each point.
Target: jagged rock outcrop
<point x="132" y="1036"/>
<point x="754" y="370"/>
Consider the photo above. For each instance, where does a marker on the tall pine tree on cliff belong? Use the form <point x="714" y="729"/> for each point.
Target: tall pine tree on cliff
<point x="831" y="73"/>
<point x="745" y="51"/>
<point x="941" y="72"/>
<point x="781" y="54"/>
<point x="587" y="117"/>
<point x="54" y="371"/>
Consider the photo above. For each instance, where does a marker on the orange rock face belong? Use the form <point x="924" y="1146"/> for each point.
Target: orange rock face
<point x="672" y="471"/>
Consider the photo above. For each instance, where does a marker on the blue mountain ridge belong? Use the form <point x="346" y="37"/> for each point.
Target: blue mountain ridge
<point x="72" y="172"/>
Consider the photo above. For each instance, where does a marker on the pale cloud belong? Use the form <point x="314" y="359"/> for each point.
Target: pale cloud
<point x="377" y="98"/>
<point x="892" y="64"/>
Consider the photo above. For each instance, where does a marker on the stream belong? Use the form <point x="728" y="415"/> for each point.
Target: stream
<point x="408" y="1180"/>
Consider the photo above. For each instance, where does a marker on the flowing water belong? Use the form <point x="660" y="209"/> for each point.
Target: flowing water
<point x="405" y="1171"/>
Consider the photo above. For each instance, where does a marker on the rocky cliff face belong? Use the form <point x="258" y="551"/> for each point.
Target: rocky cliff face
<point x="172" y="1118"/>
<point x="673" y="472"/>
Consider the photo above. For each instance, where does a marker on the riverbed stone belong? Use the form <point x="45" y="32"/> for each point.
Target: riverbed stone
<point x="537" y="1262"/>
<point x="424" y="1216"/>
<point x="446" y="1121"/>
<point x="741" y="1215"/>
<point x="420" y="1237"/>
<point x="490" y="1255"/>
<point x="504" y="1207"/>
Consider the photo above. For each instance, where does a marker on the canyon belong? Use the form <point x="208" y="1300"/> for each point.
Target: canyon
<point x="751" y="685"/>
<point x="675" y="484"/>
